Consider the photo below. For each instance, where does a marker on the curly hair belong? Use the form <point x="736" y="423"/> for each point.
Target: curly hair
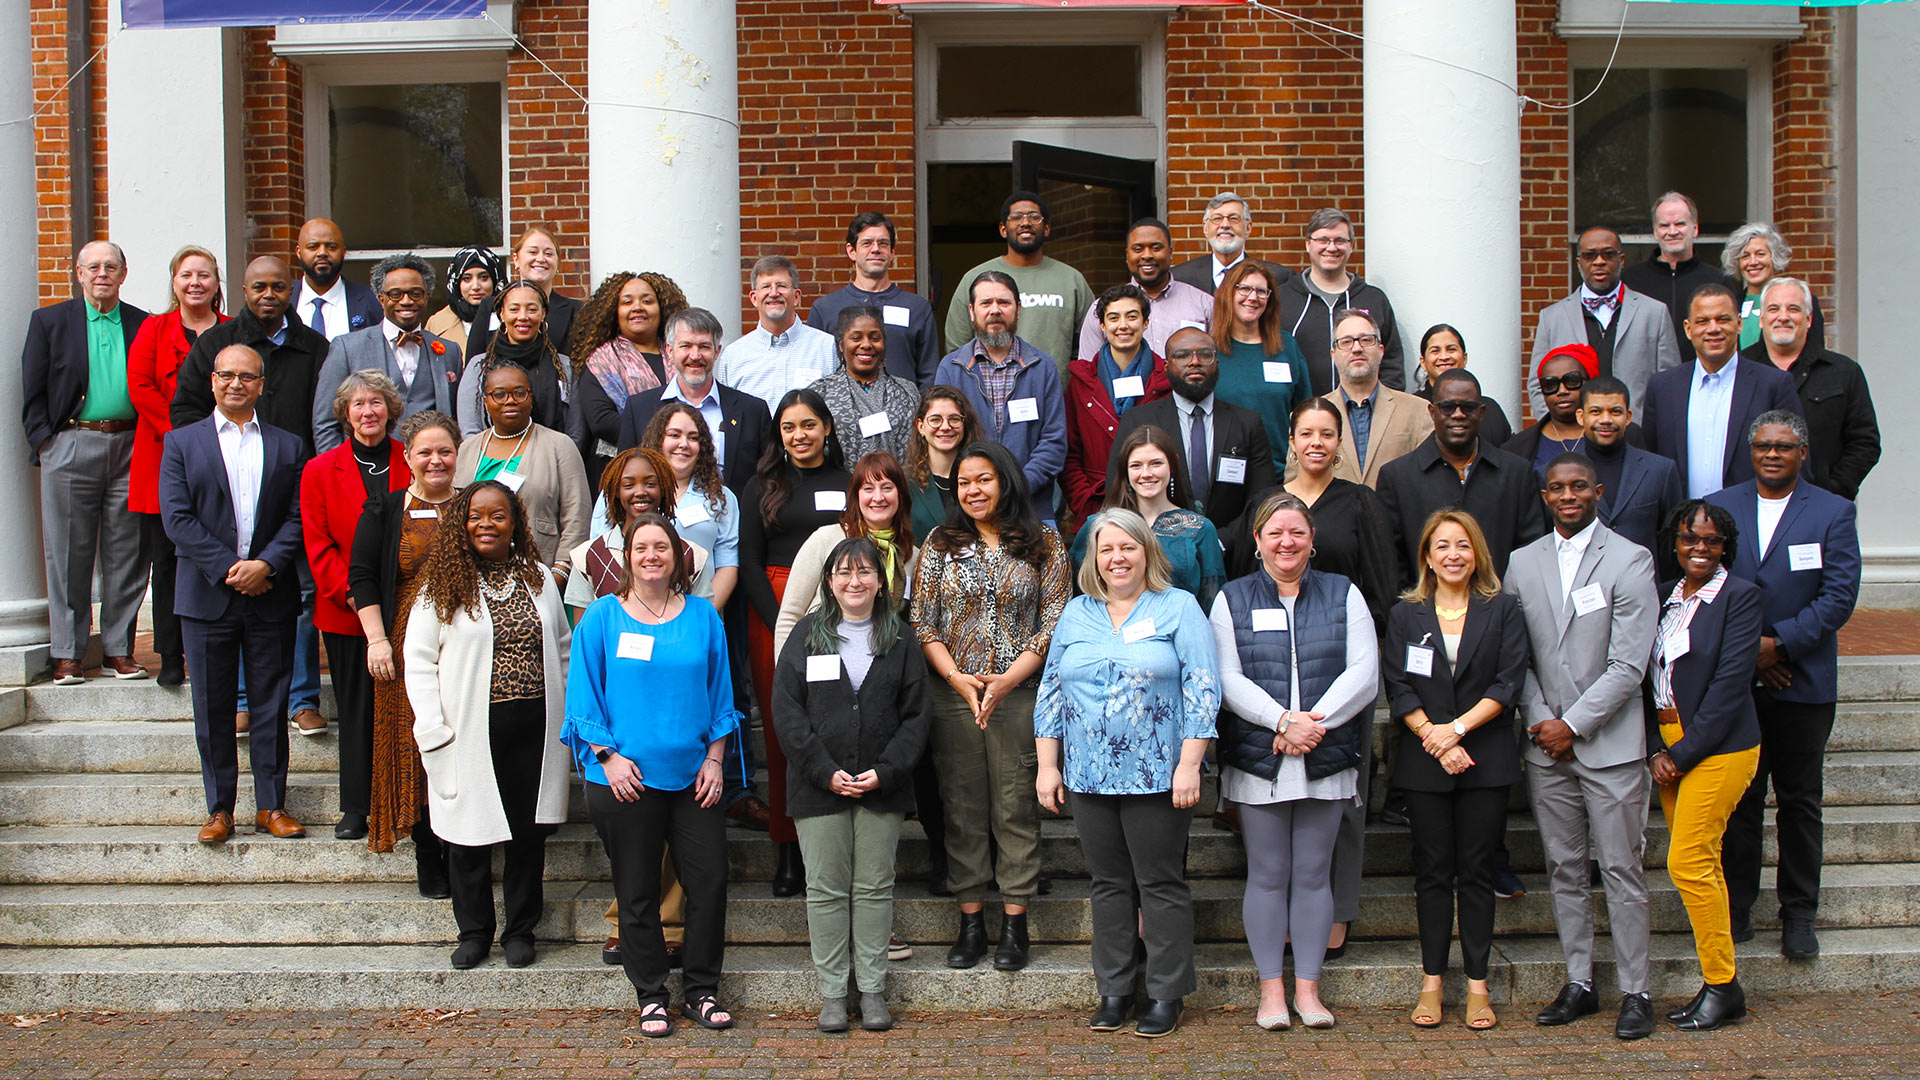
<point x="919" y="461"/>
<point x="450" y="574"/>
<point x="599" y="319"/>
<point x="706" y="467"/>
<point x="610" y="483"/>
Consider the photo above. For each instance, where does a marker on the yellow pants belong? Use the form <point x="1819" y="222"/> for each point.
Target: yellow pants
<point x="673" y="904"/>
<point x="1697" y="810"/>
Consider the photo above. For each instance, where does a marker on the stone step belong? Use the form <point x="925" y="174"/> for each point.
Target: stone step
<point x="169" y="854"/>
<point x="1525" y="973"/>
<point x="1879" y="678"/>
<point x="66" y="916"/>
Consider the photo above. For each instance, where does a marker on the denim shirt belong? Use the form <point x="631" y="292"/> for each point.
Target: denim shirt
<point x="1122" y="708"/>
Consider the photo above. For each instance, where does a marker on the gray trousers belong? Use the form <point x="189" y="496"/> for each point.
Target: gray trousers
<point x="1136" y="849"/>
<point x="850" y="858"/>
<point x="84" y="517"/>
<point x="986" y="788"/>
<point x="1596" y="814"/>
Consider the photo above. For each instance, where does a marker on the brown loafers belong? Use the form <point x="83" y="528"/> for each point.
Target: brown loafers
<point x="68" y="673"/>
<point x="218" y="827"/>
<point x="310" y="722"/>
<point x="279" y="823"/>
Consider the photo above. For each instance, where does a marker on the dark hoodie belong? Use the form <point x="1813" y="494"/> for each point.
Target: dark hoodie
<point x="1308" y="318"/>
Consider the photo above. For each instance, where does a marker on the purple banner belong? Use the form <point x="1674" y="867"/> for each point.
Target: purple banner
<point x="155" y="13"/>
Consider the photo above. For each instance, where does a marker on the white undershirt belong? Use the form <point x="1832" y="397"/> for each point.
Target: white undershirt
<point x="1769" y="513"/>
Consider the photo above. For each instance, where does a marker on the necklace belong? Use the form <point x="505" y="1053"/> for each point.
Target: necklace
<point x="494" y="433"/>
<point x="414" y="490"/>
<point x="1450" y="614"/>
<point x="658" y="616"/>
<point x="497" y="593"/>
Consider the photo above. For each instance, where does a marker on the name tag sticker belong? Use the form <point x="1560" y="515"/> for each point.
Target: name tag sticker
<point x="1129" y="386"/>
<point x="965" y="552"/>
<point x="693" y="513"/>
<point x="1139" y="631"/>
<point x="805" y="376"/>
<point x="1803" y="557"/>
<point x="423" y="515"/>
<point x="895" y="315"/>
<point x="512" y="480"/>
<point x="1746" y="308"/>
<point x="875" y="424"/>
<point x="823" y="668"/>
<point x="1677" y="646"/>
<point x="1588" y="600"/>
<point x="1269" y="618"/>
<point x="1419" y="660"/>
<point x="635" y="646"/>
<point x="1277" y="370"/>
<point x="1022" y="410"/>
<point x="830" y="500"/>
<point x="1233" y="470"/>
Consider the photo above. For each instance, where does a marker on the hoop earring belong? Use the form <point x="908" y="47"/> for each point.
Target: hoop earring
<point x="1311" y="552"/>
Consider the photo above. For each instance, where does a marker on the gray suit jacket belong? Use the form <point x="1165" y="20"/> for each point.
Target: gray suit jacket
<point x="1587" y="669"/>
<point x="368" y="348"/>
<point x="1644" y="343"/>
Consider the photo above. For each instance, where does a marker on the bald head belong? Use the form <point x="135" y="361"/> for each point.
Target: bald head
<point x="322" y="251"/>
<point x="268" y="289"/>
<point x="99" y="268"/>
<point x="238" y="378"/>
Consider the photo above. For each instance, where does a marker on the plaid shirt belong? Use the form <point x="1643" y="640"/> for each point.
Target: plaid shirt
<point x="997" y="379"/>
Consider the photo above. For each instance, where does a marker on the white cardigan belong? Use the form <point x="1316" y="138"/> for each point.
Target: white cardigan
<point x="449" y="673"/>
<point x="803" y="580"/>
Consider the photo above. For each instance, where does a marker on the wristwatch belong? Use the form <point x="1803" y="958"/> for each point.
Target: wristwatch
<point x="601" y="755"/>
<point x="1286" y="721"/>
<point x="1460" y="728"/>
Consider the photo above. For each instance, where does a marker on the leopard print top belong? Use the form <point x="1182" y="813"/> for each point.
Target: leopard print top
<point x="518" y="664"/>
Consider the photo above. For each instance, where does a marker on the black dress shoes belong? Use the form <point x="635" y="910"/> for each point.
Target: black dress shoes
<point x="350" y="827"/>
<point x="1719" y="1005"/>
<point x="1686" y="1010"/>
<point x="972" y="942"/>
<point x="1158" y="1018"/>
<point x="1011" y="953"/>
<point x="173" y="671"/>
<point x="1796" y="938"/>
<point x="1741" y="922"/>
<point x="789" y="873"/>
<point x="1574" y="1002"/>
<point x="1636" y="1017"/>
<point x="470" y="953"/>
<point x="1111" y="1015"/>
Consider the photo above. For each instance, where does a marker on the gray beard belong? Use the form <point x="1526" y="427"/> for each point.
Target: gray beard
<point x="997" y="339"/>
<point x="1233" y="247"/>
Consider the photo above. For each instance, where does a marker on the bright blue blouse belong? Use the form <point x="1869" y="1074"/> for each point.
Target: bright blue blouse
<point x="1192" y="547"/>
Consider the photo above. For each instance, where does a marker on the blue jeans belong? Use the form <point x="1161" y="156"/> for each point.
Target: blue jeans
<point x="304" y="692"/>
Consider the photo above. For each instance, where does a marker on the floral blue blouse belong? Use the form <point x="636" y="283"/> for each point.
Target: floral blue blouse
<point x="1192" y="546"/>
<point x="1121" y="701"/>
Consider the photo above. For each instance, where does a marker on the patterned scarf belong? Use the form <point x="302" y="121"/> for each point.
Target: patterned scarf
<point x="622" y="371"/>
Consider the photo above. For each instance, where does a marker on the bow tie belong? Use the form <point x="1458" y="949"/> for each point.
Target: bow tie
<point x="1612" y="299"/>
<point x="407" y="337"/>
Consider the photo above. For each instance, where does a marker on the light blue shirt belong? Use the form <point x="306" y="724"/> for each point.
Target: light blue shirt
<point x="768" y="365"/>
<point x="709" y="407"/>
<point x="1708" y="409"/>
<point x="694" y="520"/>
<point x="1121" y="707"/>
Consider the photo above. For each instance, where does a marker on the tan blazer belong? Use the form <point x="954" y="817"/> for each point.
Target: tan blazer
<point x="555" y="491"/>
<point x="1400" y="423"/>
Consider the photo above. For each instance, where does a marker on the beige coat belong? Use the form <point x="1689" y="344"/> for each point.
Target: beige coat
<point x="559" y="502"/>
<point x="1400" y="423"/>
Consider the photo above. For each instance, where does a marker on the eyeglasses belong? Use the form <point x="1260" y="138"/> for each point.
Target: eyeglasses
<point x="858" y="573"/>
<point x="509" y="395"/>
<point x="1366" y="341"/>
<point x="1603" y="255"/>
<point x="1254" y="291"/>
<point x="397" y="295"/>
<point x="944" y="421"/>
<point x="1330" y="241"/>
<point x="245" y="378"/>
<point x="1024" y="217"/>
<point x="1204" y="353"/>
<point x="1777" y="447"/>
<point x="1226" y="219"/>
<point x="1551" y="384"/>
<point x="1468" y="407"/>
<point x="1696" y="540"/>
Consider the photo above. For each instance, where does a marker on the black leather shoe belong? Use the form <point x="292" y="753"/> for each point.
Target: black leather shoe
<point x="1719" y="1005"/>
<point x="1686" y="1010"/>
<point x="1636" y="1017"/>
<point x="1796" y="938"/>
<point x="350" y="827"/>
<point x="1158" y="1018"/>
<point x="1574" y="1002"/>
<point x="972" y="943"/>
<point x="789" y="875"/>
<point x="1741" y="922"/>
<point x="1111" y="1015"/>
<point x="173" y="671"/>
<point x="519" y="952"/>
<point x="470" y="953"/>
<point x="1011" y="953"/>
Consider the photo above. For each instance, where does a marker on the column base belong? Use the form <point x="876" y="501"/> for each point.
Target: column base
<point x="22" y="665"/>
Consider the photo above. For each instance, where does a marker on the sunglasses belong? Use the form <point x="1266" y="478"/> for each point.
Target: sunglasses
<point x="1551" y="384"/>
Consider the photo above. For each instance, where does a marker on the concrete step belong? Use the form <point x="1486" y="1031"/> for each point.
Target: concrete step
<point x="1879" y="678"/>
<point x="1526" y="972"/>
<point x="169" y="854"/>
<point x="67" y="916"/>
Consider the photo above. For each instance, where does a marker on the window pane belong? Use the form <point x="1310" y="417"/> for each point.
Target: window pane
<point x="1038" y="80"/>
<point x="1651" y="130"/>
<point x="416" y="165"/>
<point x="1089" y="229"/>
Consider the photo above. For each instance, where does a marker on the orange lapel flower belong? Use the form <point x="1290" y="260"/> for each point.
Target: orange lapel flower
<point x="438" y="349"/>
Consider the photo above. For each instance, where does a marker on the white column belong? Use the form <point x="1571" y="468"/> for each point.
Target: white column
<point x="23" y="578"/>
<point x="173" y="160"/>
<point x="663" y="187"/>
<point x="1443" y="178"/>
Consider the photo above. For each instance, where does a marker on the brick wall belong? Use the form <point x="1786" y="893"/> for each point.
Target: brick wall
<point x="47" y="27"/>
<point x="273" y="153"/>
<point x="547" y="151"/>
<point x="1805" y="158"/>
<point x="1546" y="172"/>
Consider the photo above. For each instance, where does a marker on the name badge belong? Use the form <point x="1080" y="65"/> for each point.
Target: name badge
<point x="1277" y="370"/>
<point x="1129" y="386"/>
<point x="894" y="314"/>
<point x="635" y="646"/>
<point x="1021" y="410"/>
<point x="1269" y="618"/>
<point x="1419" y="660"/>
<point x="875" y="424"/>
<point x="692" y="513"/>
<point x="830" y="500"/>
<point x="1803" y="557"/>
<point x="1233" y="470"/>
<point x="965" y="552"/>
<point x="1677" y="646"/>
<point x="1746" y="308"/>
<point x="1139" y="631"/>
<point x="423" y="515"/>
<point x="511" y="480"/>
<point x="1588" y="600"/>
<point x="823" y="668"/>
<point x="805" y="376"/>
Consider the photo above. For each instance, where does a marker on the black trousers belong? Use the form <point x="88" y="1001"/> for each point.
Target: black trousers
<point x="1455" y="836"/>
<point x="214" y="651"/>
<point x="159" y="554"/>
<point x="633" y="834"/>
<point x="1793" y="753"/>
<point x="1136" y="851"/>
<point x="353" y="700"/>
<point x="517" y="732"/>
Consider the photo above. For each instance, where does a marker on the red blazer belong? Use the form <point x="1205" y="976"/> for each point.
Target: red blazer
<point x="331" y="498"/>
<point x="1091" y="420"/>
<point x="153" y="362"/>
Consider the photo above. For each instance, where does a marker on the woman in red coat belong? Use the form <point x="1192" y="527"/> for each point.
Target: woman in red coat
<point x="152" y="362"/>
<point x="1124" y="374"/>
<point x="333" y="490"/>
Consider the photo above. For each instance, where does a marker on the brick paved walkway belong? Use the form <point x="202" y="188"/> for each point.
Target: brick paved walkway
<point x="1876" y="1036"/>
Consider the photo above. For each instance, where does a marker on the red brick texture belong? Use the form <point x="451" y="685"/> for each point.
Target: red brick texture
<point x="1805" y="156"/>
<point x="52" y="157"/>
<point x="273" y="151"/>
<point x="547" y="149"/>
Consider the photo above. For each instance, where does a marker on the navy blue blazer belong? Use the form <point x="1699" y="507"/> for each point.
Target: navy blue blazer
<point x="363" y="308"/>
<point x="196" y="509"/>
<point x="1713" y="680"/>
<point x="1649" y="490"/>
<point x="1757" y="388"/>
<point x="1806" y="608"/>
<point x="53" y="367"/>
<point x="1493" y="660"/>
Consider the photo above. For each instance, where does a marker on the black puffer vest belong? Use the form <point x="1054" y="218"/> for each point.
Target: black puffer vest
<point x="1318" y="634"/>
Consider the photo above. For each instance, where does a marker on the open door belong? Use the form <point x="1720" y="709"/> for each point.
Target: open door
<point x="1092" y="199"/>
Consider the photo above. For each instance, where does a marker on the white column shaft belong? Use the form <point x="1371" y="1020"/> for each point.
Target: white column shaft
<point x="23" y="581"/>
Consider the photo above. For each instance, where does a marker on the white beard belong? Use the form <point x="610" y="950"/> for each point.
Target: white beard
<point x="1227" y="250"/>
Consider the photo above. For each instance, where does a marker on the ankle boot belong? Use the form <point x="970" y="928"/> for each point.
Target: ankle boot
<point x="1011" y="953"/>
<point x="430" y="863"/>
<point x="789" y="875"/>
<point x="972" y="943"/>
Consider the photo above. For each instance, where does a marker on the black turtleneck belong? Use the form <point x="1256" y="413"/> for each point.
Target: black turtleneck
<point x="375" y="462"/>
<point x="1609" y="462"/>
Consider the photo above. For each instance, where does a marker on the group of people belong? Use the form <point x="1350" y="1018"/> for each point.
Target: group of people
<point x="1102" y="544"/>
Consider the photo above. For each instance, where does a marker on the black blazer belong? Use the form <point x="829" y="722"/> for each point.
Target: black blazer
<point x="1526" y="443"/>
<point x="1493" y="664"/>
<point x="749" y="427"/>
<point x="373" y="570"/>
<point x="1713" y="680"/>
<point x="1198" y="272"/>
<point x="53" y="367"/>
<point x="292" y="369"/>
<point x="1649" y="490"/>
<point x="1237" y="432"/>
<point x="1842" y="427"/>
<point x="826" y="726"/>
<point x="363" y="307"/>
<point x="1500" y="493"/>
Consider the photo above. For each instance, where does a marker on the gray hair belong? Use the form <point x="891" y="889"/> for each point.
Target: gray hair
<point x="369" y="379"/>
<point x="1159" y="573"/>
<point x="118" y="252"/>
<point x="1226" y="197"/>
<point x="693" y="319"/>
<point x="1780" y="416"/>
<point x="1326" y="219"/>
<point x="1777" y="247"/>
<point x="1693" y="208"/>
<point x="1360" y="313"/>
<point x="377" y="277"/>
<point x="773" y="264"/>
<point x="1806" y="293"/>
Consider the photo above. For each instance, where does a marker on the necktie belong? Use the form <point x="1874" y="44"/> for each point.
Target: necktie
<point x="319" y="320"/>
<point x="1199" y="461"/>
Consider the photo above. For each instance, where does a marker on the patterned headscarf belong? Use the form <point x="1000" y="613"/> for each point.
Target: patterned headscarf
<point x="464" y="260"/>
